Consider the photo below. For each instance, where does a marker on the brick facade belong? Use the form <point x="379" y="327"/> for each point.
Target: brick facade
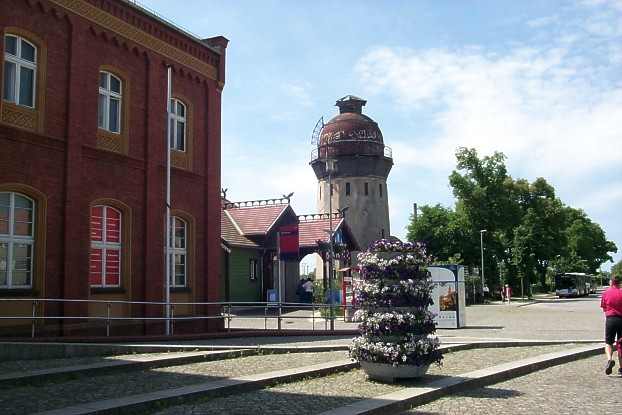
<point x="57" y="156"/>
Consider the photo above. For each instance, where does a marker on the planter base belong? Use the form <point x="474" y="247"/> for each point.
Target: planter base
<point x="385" y="372"/>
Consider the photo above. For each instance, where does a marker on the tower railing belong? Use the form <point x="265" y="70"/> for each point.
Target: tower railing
<point x="351" y="147"/>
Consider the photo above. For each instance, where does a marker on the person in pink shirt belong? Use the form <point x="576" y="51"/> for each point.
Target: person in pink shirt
<point x="611" y="303"/>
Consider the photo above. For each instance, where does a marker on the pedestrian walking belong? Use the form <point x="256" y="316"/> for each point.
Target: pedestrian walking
<point x="308" y="287"/>
<point x="611" y="303"/>
<point x="508" y="292"/>
<point x="300" y="291"/>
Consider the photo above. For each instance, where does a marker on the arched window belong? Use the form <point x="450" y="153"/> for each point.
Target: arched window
<point x="179" y="253"/>
<point x="17" y="213"/>
<point x="109" y="103"/>
<point x="106" y="244"/>
<point x="177" y="125"/>
<point x="20" y="71"/>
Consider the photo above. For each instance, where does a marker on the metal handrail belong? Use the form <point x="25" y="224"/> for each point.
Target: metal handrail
<point x="226" y="311"/>
<point x="361" y="144"/>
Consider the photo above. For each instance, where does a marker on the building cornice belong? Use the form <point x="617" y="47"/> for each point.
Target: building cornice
<point x="134" y="34"/>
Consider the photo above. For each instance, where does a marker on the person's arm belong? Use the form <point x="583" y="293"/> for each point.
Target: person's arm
<point x="603" y="304"/>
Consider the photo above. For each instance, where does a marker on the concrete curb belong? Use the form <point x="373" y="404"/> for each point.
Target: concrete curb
<point x="404" y="400"/>
<point x="35" y="377"/>
<point x="228" y="334"/>
<point x="40" y="351"/>
<point x="228" y="386"/>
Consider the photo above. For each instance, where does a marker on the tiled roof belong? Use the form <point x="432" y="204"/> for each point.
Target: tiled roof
<point x="256" y="220"/>
<point x="230" y="234"/>
<point x="310" y="231"/>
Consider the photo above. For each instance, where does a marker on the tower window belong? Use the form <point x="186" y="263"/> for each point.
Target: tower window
<point x="347" y="189"/>
<point x="331" y="189"/>
<point x="382" y="233"/>
<point x="380" y="189"/>
<point x="366" y="189"/>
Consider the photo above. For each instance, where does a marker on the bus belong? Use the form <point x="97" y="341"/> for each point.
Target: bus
<point x="574" y="284"/>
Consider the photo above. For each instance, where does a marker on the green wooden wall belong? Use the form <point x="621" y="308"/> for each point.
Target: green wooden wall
<point x="241" y="287"/>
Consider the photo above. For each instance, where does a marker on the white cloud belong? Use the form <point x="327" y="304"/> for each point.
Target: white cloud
<point x="538" y="106"/>
<point x="299" y="92"/>
<point x="614" y="4"/>
<point x="552" y="107"/>
<point x="543" y="21"/>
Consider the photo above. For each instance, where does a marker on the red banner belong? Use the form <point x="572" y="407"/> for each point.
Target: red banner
<point x="288" y="241"/>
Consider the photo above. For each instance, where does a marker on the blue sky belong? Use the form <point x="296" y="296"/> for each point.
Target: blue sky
<point x="540" y="81"/>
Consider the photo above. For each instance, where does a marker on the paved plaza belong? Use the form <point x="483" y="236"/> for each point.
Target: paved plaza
<point x="496" y="335"/>
<point x="575" y="388"/>
<point x="545" y="318"/>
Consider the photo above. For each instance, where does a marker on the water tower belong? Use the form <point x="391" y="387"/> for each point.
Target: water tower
<point x="358" y="179"/>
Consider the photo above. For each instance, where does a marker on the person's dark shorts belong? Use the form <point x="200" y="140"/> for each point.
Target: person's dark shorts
<point x="613" y="329"/>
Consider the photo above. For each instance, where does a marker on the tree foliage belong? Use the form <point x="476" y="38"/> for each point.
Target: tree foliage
<point x="617" y="268"/>
<point x="528" y="230"/>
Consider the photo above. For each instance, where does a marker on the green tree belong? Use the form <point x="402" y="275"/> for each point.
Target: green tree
<point x="587" y="240"/>
<point x="617" y="268"/>
<point x="540" y="235"/>
<point x="486" y="195"/>
<point x="529" y="231"/>
<point x="442" y="229"/>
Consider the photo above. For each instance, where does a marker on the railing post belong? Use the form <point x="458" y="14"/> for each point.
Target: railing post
<point x="172" y="319"/>
<point x="326" y="312"/>
<point x="279" y="317"/>
<point x="265" y="318"/>
<point x="34" y="319"/>
<point x="228" y="317"/>
<point x="107" y="319"/>
<point x="312" y="316"/>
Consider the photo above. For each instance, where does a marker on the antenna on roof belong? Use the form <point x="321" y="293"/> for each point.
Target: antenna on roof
<point x="317" y="131"/>
<point x="224" y="192"/>
<point x="289" y="196"/>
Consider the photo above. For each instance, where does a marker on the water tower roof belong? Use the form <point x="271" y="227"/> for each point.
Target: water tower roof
<point x="350" y="128"/>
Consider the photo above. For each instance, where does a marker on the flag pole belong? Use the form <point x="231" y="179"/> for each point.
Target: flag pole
<point x="168" y="201"/>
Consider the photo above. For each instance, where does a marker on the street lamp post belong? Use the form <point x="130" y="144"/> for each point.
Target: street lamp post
<point x="481" y="245"/>
<point x="330" y="169"/>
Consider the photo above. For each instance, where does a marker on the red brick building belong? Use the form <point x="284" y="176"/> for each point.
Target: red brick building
<point x="83" y="154"/>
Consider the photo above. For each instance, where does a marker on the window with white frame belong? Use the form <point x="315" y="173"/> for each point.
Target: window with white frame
<point x="105" y="257"/>
<point x="109" y="103"/>
<point x="179" y="253"/>
<point x="20" y="71"/>
<point x="16" y="240"/>
<point x="177" y="125"/>
<point x="253" y="268"/>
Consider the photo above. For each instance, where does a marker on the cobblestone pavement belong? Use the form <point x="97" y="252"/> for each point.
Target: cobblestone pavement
<point x="320" y="394"/>
<point x="29" y="399"/>
<point x="579" y="387"/>
<point x="36" y="364"/>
